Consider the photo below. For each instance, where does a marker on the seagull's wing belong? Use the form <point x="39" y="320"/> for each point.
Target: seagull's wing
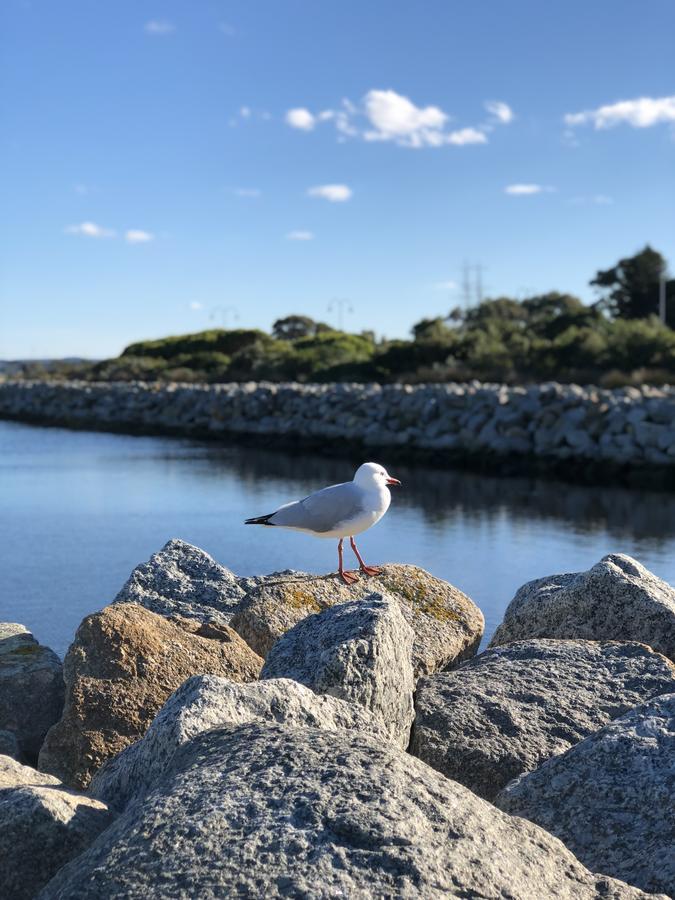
<point x="323" y="510"/>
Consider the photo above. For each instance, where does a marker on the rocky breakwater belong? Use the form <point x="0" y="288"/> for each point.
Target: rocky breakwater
<point x="360" y="760"/>
<point x="549" y="426"/>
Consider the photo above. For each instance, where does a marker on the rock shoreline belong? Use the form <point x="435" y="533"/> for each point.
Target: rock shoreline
<point x="585" y="432"/>
<point x="368" y="755"/>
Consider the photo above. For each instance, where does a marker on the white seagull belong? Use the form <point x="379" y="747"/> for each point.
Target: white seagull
<point x="339" y="511"/>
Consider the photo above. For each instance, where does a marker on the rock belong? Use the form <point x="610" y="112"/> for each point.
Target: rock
<point x="358" y="651"/>
<point x="42" y="827"/>
<point x="616" y="600"/>
<point x="448" y="626"/>
<point x="124" y="663"/>
<point x="508" y="710"/>
<point x="611" y="798"/>
<point x="264" y="810"/>
<point x="9" y="746"/>
<point x="183" y="580"/>
<point x="31" y="689"/>
<point x="207" y="701"/>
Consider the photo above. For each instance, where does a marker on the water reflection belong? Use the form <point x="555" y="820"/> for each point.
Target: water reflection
<point x="80" y="509"/>
<point x="442" y="495"/>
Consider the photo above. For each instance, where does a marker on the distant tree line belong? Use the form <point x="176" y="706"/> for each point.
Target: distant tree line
<point x="617" y="340"/>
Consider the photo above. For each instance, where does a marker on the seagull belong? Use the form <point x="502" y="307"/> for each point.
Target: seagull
<point x="339" y="511"/>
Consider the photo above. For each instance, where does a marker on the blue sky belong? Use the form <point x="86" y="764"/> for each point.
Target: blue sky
<point x="163" y="162"/>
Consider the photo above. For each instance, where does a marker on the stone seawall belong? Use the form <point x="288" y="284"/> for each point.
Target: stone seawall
<point x="565" y="428"/>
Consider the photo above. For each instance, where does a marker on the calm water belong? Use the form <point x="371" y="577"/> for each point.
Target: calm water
<point x="79" y="510"/>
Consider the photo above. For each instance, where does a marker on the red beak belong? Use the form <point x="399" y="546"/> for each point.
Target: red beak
<point x="391" y="480"/>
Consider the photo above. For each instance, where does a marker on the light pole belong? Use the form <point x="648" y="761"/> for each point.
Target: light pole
<point x="662" y="299"/>
<point x="341" y="306"/>
<point x="225" y="312"/>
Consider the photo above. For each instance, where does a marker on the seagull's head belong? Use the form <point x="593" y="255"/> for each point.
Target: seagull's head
<point x="373" y="475"/>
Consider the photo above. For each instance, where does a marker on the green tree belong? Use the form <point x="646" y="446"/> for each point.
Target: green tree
<point x="630" y="289"/>
<point x="294" y="327"/>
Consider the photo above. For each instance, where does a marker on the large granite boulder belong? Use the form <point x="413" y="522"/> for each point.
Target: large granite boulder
<point x="183" y="580"/>
<point x="31" y="690"/>
<point x="358" y="651"/>
<point x="123" y="665"/>
<point x="616" y="600"/>
<point x="208" y="701"/>
<point x="264" y="810"/>
<point x="611" y="798"/>
<point x="508" y="710"/>
<point x="448" y="626"/>
<point x="42" y="827"/>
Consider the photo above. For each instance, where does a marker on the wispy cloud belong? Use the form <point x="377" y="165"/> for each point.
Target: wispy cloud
<point x="300" y="236"/>
<point x="502" y="112"/>
<point x="252" y="193"/>
<point x="196" y="305"/>
<point x="385" y="115"/>
<point x="335" y="193"/>
<point x="526" y="190"/>
<point x="159" y="27"/>
<point x="300" y="118"/>
<point x="445" y="286"/>
<point x="227" y="29"/>
<point x="136" y="236"/>
<point x="640" y="113"/>
<point x="91" y="230"/>
<point x="593" y="199"/>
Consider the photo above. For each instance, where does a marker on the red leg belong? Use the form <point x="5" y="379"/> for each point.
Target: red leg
<point x="367" y="570"/>
<point x="347" y="577"/>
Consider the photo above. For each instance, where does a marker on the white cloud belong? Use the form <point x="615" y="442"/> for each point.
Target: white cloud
<point x="248" y="192"/>
<point x="90" y="229"/>
<point x="502" y="112"/>
<point x="640" y="113"/>
<point x="226" y="29"/>
<point x="466" y="136"/>
<point x="300" y="118"/>
<point x="245" y="112"/>
<point x="524" y="190"/>
<point x="393" y="117"/>
<point x="136" y="236"/>
<point x="300" y="236"/>
<point x="196" y="305"/>
<point x="336" y="193"/>
<point x="159" y="27"/>
<point x="385" y="115"/>
<point x="445" y="285"/>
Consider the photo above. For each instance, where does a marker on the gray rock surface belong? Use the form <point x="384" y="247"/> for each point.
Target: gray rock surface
<point x="271" y="811"/>
<point x="31" y="689"/>
<point x="510" y="709"/>
<point x="182" y="580"/>
<point x="207" y="701"/>
<point x="9" y="746"/>
<point x="358" y="651"/>
<point x="448" y="626"/>
<point x="617" y="600"/>
<point x="611" y="798"/>
<point x="42" y="827"/>
<point x="548" y="422"/>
